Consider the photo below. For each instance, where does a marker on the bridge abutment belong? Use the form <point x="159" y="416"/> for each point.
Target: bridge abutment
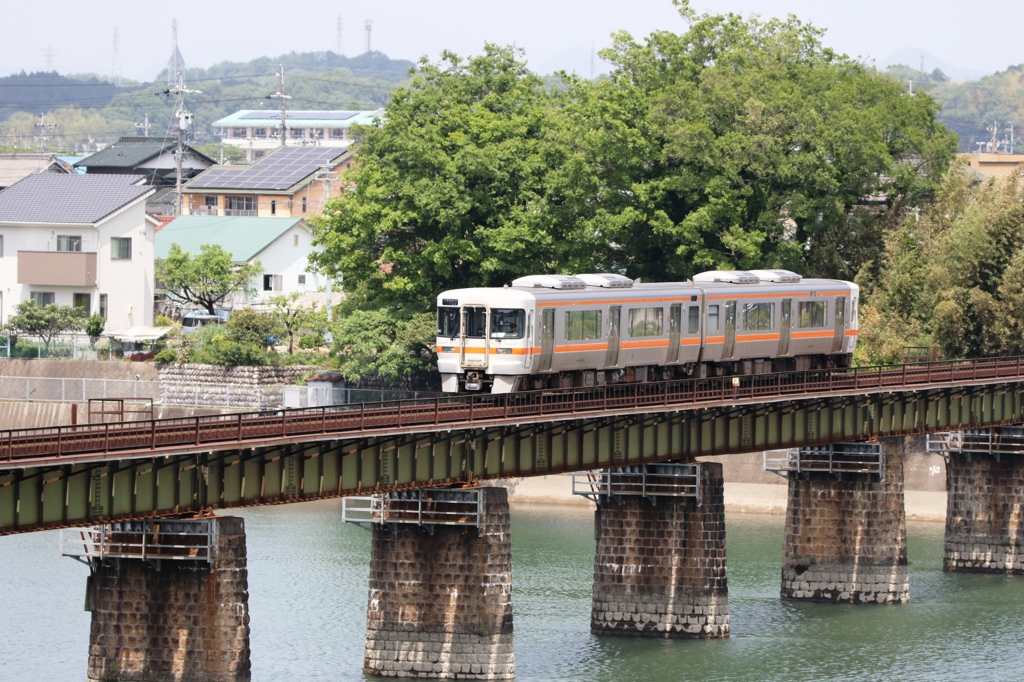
<point x="845" y="538"/>
<point x="440" y="601"/>
<point x="659" y="567"/>
<point x="169" y="600"/>
<point x="985" y="503"/>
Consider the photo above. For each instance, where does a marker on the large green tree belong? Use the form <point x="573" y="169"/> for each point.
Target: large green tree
<point x="206" y="279"/>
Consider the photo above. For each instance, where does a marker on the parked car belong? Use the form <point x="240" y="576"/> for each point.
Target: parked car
<point x="195" y="319"/>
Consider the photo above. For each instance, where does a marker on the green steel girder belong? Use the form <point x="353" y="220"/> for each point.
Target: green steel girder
<point x="62" y="494"/>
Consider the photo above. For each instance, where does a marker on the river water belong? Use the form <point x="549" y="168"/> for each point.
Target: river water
<point x="308" y="580"/>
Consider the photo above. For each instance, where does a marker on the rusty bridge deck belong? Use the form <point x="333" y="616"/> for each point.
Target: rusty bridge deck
<point x="73" y="475"/>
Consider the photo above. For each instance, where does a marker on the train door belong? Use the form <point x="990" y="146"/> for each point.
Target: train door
<point x="675" y="315"/>
<point x="528" y="362"/>
<point x="474" y="326"/>
<point x="611" y="358"/>
<point x="730" y="330"/>
<point x="837" y="340"/>
<point x="547" y="339"/>
<point x="784" y="328"/>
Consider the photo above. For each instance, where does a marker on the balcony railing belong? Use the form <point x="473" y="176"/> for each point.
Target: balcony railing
<point x="57" y="268"/>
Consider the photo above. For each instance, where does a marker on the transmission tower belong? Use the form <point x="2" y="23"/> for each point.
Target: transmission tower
<point x="176" y="64"/>
<point x="44" y="128"/>
<point x="280" y="95"/>
<point x="337" y="48"/>
<point x="369" y="29"/>
<point x="50" y="53"/>
<point x="115" y="63"/>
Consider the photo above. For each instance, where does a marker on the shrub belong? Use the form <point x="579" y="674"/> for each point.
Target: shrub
<point x="167" y="356"/>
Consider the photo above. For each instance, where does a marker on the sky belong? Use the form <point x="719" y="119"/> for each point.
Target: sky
<point x="553" y="33"/>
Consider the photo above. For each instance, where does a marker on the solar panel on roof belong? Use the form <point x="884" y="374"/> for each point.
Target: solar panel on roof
<point x="303" y="115"/>
<point x="279" y="170"/>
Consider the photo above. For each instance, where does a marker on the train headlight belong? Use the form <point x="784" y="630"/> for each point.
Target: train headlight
<point x="504" y="351"/>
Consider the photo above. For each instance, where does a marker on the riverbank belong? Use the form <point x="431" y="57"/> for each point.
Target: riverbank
<point x="740" y="498"/>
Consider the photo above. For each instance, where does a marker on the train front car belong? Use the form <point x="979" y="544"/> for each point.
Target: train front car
<point x="483" y="339"/>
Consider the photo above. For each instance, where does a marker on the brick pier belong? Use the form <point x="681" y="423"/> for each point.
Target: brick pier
<point x="170" y="620"/>
<point x="984" y="513"/>
<point x="846" y="538"/>
<point x="659" y="569"/>
<point x="440" y="602"/>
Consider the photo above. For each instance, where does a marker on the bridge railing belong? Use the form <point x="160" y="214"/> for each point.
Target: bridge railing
<point x="184" y="432"/>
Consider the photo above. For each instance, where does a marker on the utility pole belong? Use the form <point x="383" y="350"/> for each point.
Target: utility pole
<point x="280" y="94"/>
<point x="185" y="120"/>
<point x="993" y="145"/>
<point x="43" y="127"/>
<point x="144" y="126"/>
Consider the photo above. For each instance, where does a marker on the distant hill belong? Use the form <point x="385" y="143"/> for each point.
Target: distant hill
<point x="90" y="110"/>
<point x="911" y="57"/>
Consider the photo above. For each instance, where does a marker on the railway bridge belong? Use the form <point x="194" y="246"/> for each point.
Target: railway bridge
<point x="441" y="530"/>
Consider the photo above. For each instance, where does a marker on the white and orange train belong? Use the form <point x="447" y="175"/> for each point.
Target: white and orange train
<point x="557" y="331"/>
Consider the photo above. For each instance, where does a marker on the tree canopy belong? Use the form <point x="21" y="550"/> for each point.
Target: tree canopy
<point x="205" y="279"/>
<point x="953" y="275"/>
<point x="737" y="143"/>
<point x="46" y="321"/>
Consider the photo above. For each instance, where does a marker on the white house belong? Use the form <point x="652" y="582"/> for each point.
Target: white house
<point x="82" y="240"/>
<point x="257" y="131"/>
<point x="281" y="245"/>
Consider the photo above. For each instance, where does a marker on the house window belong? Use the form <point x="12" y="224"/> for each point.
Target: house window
<point x="238" y="132"/>
<point x="273" y="207"/>
<point x="120" y="248"/>
<point x="66" y="242"/>
<point x="337" y="133"/>
<point x="302" y="280"/>
<point x="258" y="155"/>
<point x="243" y="206"/>
<point x="298" y="133"/>
<point x="211" y="201"/>
<point x="272" y="282"/>
<point x="303" y="204"/>
<point x="42" y="298"/>
<point x="319" y="133"/>
<point x="259" y="132"/>
<point x="103" y="306"/>
<point x="83" y="301"/>
<point x="295" y="240"/>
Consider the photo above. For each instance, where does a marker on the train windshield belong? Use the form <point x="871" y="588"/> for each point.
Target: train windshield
<point x="508" y="323"/>
<point x="476" y="322"/>
<point x="448" y="322"/>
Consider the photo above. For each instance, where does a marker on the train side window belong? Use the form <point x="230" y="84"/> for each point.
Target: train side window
<point x="811" y="314"/>
<point x="693" y="320"/>
<point x="581" y="325"/>
<point x="713" y="319"/>
<point x="758" y="316"/>
<point x="646" y="322"/>
<point x="448" y="322"/>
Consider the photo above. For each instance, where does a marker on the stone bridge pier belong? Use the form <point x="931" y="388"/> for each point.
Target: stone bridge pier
<point x="440" y="594"/>
<point x="659" y="567"/>
<point x="169" y="599"/>
<point x="985" y="499"/>
<point x="845" y="537"/>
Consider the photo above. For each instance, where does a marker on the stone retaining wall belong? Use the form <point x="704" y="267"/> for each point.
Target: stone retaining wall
<point x="659" y="569"/>
<point x="984" y="524"/>
<point x="246" y="387"/>
<point x="846" y="540"/>
<point x="440" y="601"/>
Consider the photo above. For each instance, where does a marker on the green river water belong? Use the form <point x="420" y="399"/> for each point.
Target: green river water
<point x="308" y="585"/>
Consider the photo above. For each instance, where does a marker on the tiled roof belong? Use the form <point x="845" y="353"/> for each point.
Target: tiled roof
<point x="72" y="199"/>
<point x="129" y="152"/>
<point x="14" y="167"/>
<point x="243" y="237"/>
<point x="278" y="170"/>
